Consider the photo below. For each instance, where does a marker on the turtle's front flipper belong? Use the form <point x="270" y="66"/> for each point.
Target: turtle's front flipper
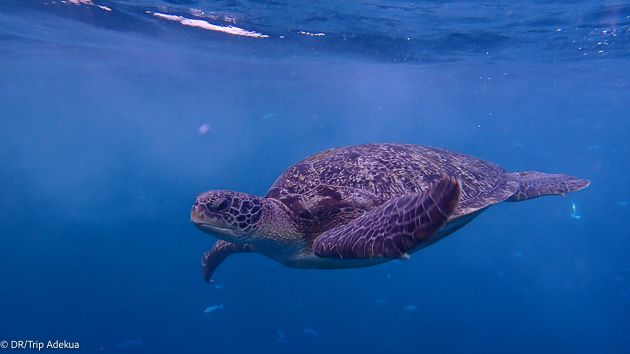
<point x="220" y="251"/>
<point x="393" y="228"/>
<point x="534" y="184"/>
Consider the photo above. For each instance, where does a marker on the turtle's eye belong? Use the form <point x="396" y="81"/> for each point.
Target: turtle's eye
<point x="221" y="204"/>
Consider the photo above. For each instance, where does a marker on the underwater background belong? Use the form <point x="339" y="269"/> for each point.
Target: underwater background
<point x="114" y="115"/>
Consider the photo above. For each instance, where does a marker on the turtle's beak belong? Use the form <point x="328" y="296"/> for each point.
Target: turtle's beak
<point x="197" y="215"/>
<point x="209" y="222"/>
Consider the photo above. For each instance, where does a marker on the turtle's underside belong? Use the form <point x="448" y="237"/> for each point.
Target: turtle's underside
<point x="363" y="205"/>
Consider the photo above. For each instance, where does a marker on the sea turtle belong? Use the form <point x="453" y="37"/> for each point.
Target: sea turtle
<point x="362" y="205"/>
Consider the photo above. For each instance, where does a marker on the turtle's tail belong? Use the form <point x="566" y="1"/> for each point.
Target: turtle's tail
<point x="534" y="184"/>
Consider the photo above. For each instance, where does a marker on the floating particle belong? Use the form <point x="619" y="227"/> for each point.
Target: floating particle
<point x="204" y="129"/>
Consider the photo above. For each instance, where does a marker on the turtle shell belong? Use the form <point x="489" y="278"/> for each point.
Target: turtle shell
<point x="358" y="178"/>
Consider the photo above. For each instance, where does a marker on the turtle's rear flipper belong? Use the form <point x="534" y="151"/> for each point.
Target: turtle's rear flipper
<point x="534" y="184"/>
<point x="220" y="251"/>
<point x="393" y="228"/>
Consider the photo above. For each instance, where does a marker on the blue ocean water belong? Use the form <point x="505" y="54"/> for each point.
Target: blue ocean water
<point x="101" y="106"/>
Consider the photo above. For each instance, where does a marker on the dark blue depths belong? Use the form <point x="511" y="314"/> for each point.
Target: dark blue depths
<point x="102" y="157"/>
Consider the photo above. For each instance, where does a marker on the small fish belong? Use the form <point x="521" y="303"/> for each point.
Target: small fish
<point x="575" y="215"/>
<point x="499" y="273"/>
<point x="126" y="343"/>
<point x="507" y="288"/>
<point x="410" y="307"/>
<point x="212" y="308"/>
<point x="269" y="116"/>
<point x="519" y="255"/>
<point x="282" y="339"/>
<point x="594" y="147"/>
<point x="622" y="279"/>
<point x="626" y="293"/>
<point x="220" y="286"/>
<point x="624" y="203"/>
<point x="381" y="301"/>
<point x="310" y="331"/>
<point x="545" y="152"/>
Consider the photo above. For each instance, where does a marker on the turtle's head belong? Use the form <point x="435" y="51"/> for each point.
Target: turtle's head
<point x="231" y="216"/>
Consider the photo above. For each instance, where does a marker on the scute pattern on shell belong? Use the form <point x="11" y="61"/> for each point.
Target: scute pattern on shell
<point x="364" y="176"/>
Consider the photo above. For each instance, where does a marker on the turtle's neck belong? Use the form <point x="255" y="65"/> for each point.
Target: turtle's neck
<point x="276" y="235"/>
